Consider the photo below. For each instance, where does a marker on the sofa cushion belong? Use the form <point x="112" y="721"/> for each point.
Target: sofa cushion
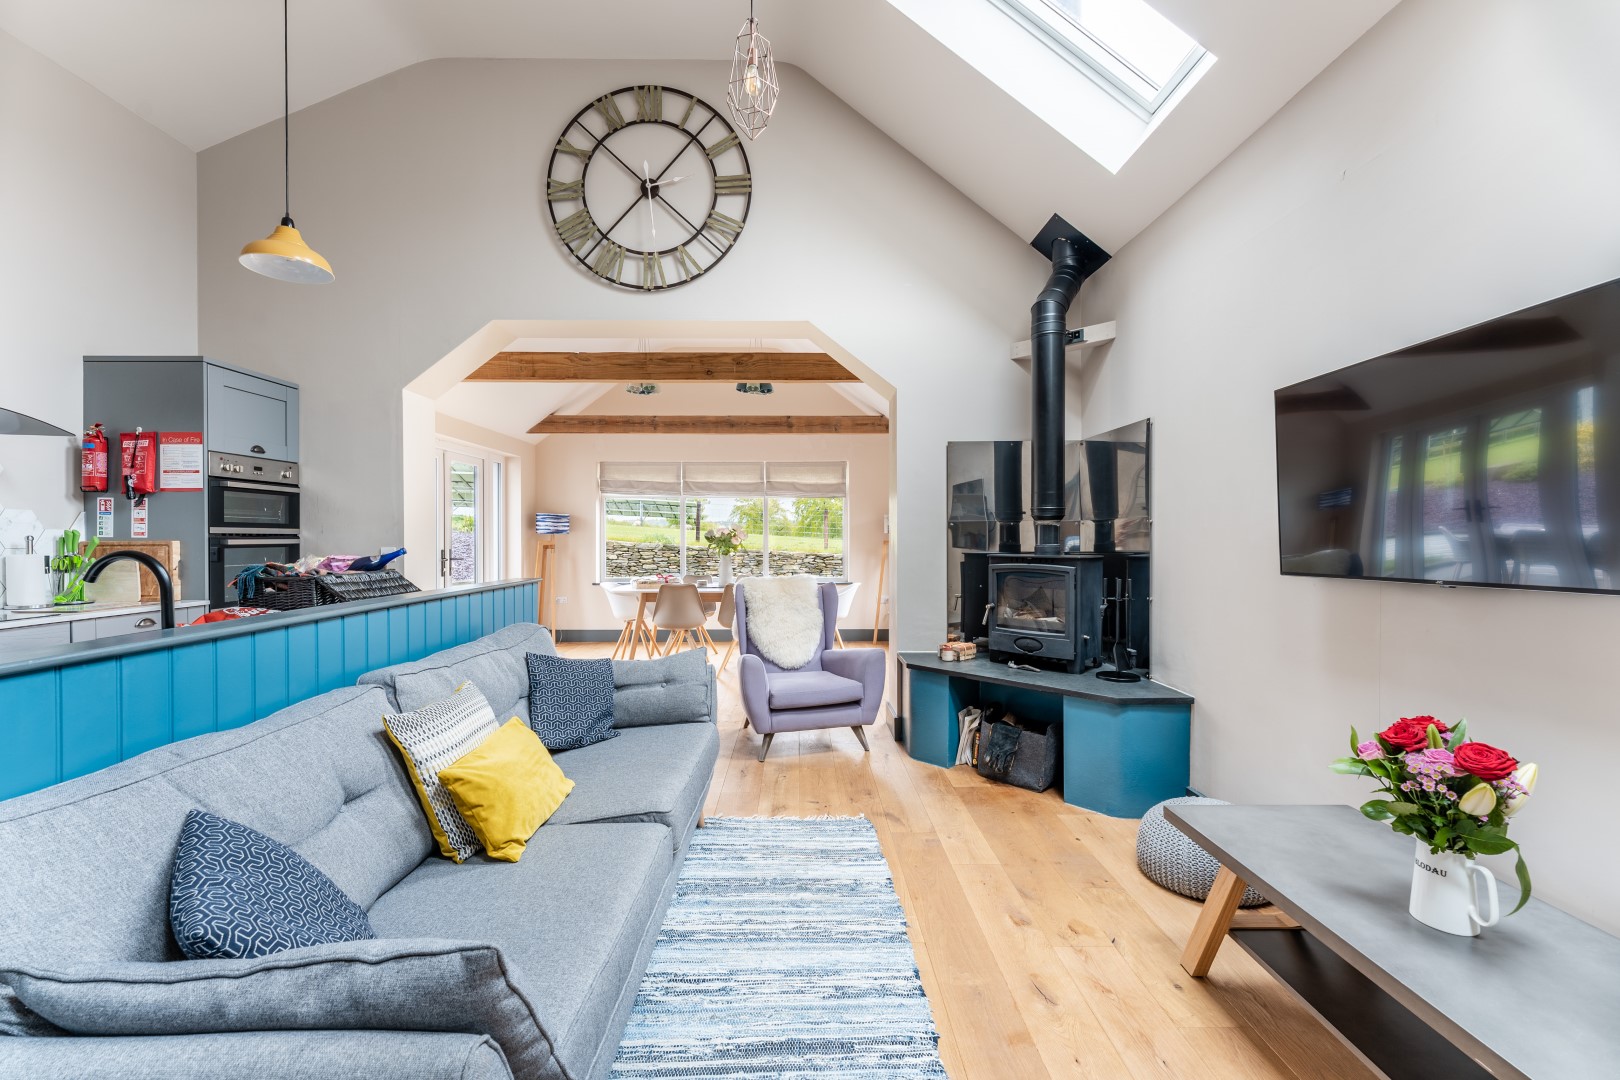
<point x="386" y="985"/>
<point x="572" y="917"/>
<point x="506" y="789"/>
<point x="236" y="893"/>
<point x="647" y="774"/>
<point x="88" y="860"/>
<point x="570" y="700"/>
<point x="429" y="739"/>
<point x="811" y="689"/>
<point x="676" y="689"/>
<point x="494" y="662"/>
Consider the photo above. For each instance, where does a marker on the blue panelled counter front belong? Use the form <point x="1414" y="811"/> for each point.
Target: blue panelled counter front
<point x="67" y="711"/>
<point x="1125" y="746"/>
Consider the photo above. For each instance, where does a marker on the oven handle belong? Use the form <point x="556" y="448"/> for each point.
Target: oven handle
<point x="266" y="541"/>
<point x="242" y="530"/>
<point x="244" y="485"/>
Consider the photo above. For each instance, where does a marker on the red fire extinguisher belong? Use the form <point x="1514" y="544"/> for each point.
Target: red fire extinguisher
<point x="93" y="460"/>
<point x="138" y="457"/>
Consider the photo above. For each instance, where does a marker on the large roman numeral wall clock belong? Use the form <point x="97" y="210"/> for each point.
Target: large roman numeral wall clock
<point x="649" y="187"/>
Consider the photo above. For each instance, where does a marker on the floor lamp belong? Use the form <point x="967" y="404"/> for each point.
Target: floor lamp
<point x="549" y="526"/>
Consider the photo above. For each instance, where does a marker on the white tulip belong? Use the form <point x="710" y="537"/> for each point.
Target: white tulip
<point x="1526" y="776"/>
<point x="1478" y="801"/>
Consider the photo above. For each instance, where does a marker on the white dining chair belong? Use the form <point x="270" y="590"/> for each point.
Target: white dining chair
<point x="625" y="603"/>
<point x="846" y="601"/>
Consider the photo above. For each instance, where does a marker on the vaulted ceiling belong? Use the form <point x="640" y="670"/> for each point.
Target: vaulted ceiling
<point x="205" y="71"/>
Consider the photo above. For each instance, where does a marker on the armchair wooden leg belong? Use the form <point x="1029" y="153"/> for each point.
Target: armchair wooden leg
<point x="1213" y="922"/>
<point x="860" y="733"/>
<point x="763" y="750"/>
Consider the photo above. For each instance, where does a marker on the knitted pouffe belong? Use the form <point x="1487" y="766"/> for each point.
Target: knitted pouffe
<point x="1168" y="857"/>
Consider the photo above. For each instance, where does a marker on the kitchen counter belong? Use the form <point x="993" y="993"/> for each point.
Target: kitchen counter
<point x="9" y="617"/>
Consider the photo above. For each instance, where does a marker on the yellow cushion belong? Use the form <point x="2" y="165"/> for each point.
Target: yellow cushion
<point x="506" y="788"/>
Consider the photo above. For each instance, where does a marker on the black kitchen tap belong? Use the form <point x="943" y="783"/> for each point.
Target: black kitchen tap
<point x="159" y="571"/>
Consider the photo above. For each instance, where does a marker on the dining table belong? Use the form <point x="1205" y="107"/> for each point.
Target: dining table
<point x="647" y="593"/>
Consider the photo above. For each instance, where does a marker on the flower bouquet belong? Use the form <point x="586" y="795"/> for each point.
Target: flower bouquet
<point x="1455" y="796"/>
<point x="726" y="540"/>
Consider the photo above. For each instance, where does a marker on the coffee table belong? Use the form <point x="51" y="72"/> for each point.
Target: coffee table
<point x="1537" y="995"/>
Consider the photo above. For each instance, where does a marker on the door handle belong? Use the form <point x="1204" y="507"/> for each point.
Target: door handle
<point x="146" y="623"/>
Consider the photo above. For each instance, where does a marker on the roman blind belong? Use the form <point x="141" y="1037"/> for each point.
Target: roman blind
<point x="639" y="478"/>
<point x="807" y="479"/>
<point x="725" y="479"/>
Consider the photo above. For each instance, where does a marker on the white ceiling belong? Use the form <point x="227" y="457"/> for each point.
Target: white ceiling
<point x="206" y="70"/>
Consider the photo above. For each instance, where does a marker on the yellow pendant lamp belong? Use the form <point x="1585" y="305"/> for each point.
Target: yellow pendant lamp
<point x="283" y="255"/>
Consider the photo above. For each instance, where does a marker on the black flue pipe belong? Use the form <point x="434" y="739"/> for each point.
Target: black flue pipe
<point x="1049" y="319"/>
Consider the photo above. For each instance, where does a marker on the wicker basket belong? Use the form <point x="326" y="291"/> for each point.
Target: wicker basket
<point x="294" y="593"/>
<point x="362" y="585"/>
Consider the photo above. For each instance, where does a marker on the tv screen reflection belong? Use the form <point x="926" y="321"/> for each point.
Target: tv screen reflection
<point x="1490" y="456"/>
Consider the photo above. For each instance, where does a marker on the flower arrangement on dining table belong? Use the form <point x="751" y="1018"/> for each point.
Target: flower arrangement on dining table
<point x="1449" y="791"/>
<point x="727" y="539"/>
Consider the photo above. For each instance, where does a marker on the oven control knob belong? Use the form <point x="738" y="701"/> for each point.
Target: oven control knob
<point x="286" y="474"/>
<point x="238" y="468"/>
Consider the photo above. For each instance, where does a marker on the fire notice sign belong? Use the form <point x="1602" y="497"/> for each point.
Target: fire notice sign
<point x="180" y="461"/>
<point x="104" y="516"/>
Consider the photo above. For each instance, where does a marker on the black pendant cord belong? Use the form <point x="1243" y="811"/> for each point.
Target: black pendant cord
<point x="286" y="120"/>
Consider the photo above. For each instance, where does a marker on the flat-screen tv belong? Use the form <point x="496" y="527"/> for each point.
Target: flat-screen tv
<point x="1490" y="456"/>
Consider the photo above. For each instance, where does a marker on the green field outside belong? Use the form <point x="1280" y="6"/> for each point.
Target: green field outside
<point x="667" y="534"/>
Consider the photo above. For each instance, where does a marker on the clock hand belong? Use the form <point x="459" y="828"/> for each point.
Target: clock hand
<point x="697" y="233"/>
<point x="652" y="219"/>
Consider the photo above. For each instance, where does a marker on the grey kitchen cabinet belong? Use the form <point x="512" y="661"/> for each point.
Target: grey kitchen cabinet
<point x="25" y="636"/>
<point x="251" y="415"/>
<point x="133" y="622"/>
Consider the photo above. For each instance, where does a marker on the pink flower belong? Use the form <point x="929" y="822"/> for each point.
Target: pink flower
<point x="1370" y="750"/>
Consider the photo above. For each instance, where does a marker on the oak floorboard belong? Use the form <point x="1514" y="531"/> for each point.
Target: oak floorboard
<point x="1044" y="953"/>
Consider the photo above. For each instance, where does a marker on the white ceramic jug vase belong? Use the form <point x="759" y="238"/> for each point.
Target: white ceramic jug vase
<point x="1443" y="892"/>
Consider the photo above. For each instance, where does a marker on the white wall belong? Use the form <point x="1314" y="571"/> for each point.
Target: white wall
<point x="1459" y="162"/>
<point x="101" y="258"/>
<point x="423" y="188"/>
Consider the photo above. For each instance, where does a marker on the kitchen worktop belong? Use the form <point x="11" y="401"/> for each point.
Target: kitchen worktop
<point x="9" y="617"/>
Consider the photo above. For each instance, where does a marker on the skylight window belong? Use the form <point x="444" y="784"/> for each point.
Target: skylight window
<point x="1125" y="45"/>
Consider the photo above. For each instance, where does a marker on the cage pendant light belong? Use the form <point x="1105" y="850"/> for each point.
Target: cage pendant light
<point x="283" y="255"/>
<point x="752" y="93"/>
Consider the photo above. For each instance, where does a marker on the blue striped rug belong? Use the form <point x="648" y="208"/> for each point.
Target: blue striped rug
<point x="784" y="955"/>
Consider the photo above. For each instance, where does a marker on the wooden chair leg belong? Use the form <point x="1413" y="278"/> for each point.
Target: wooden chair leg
<point x="838" y="637"/>
<point x="623" y="644"/>
<point x="708" y="642"/>
<point x="1213" y="922"/>
<point x="731" y="647"/>
<point x="860" y="733"/>
<point x="765" y="749"/>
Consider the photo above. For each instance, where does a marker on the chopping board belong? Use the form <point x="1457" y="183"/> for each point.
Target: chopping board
<point x="166" y="552"/>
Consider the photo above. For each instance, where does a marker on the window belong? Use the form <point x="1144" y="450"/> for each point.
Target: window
<point x="655" y="515"/>
<point x="1124" y="45"/>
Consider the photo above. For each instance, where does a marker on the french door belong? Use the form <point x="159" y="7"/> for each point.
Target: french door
<point x="468" y="510"/>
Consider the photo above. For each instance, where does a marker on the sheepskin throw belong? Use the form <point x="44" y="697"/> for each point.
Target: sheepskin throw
<point x="784" y="618"/>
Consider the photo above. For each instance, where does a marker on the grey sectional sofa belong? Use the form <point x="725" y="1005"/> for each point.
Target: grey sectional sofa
<point x="88" y="966"/>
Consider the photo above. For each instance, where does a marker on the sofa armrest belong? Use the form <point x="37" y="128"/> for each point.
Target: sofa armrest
<point x="865" y="666"/>
<point x="286" y="1055"/>
<point x="756" y="692"/>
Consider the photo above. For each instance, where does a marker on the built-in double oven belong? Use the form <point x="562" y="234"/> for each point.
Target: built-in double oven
<point x="253" y="519"/>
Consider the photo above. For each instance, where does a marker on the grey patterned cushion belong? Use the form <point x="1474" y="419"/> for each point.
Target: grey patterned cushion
<point x="570" y="701"/>
<point x="435" y="737"/>
<point x="1168" y="857"/>
<point x="390" y="984"/>
<point x="235" y="893"/>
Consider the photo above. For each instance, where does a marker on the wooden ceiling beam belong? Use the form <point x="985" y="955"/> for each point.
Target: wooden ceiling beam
<point x="586" y="424"/>
<point x="670" y="367"/>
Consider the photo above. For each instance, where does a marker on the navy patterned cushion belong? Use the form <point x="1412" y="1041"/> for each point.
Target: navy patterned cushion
<point x="236" y="894"/>
<point x="570" y="701"/>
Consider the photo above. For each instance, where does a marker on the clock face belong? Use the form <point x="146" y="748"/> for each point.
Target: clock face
<point x="649" y="187"/>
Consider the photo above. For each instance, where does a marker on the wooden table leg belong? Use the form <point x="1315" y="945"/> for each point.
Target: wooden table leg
<point x="641" y="624"/>
<point x="1213" y="922"/>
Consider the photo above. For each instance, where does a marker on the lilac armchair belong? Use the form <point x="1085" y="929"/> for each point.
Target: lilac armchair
<point x="837" y="688"/>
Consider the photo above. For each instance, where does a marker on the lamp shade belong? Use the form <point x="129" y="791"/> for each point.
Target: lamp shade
<point x="551" y="524"/>
<point x="16" y="423"/>
<point x="283" y="255"/>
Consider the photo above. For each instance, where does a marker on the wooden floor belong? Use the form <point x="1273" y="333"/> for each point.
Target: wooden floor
<point x="1045" y="953"/>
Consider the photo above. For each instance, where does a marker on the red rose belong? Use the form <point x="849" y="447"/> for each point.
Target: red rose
<point x="1411" y="733"/>
<point x="1484" y="760"/>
